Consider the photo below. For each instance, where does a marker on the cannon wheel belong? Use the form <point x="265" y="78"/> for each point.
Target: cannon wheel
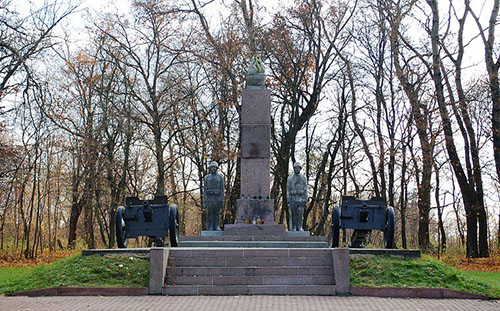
<point x="389" y="228"/>
<point x="158" y="242"/>
<point x="173" y="220"/>
<point x="121" y="233"/>
<point x="336" y="226"/>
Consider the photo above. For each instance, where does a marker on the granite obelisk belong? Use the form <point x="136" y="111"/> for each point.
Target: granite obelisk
<point x="255" y="205"/>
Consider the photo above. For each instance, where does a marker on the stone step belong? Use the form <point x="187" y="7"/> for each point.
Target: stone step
<point x="247" y="244"/>
<point x="248" y="262"/>
<point x="185" y="290"/>
<point x="253" y="238"/>
<point x="251" y="271"/>
<point x="249" y="280"/>
<point x="197" y="252"/>
<point x="255" y="230"/>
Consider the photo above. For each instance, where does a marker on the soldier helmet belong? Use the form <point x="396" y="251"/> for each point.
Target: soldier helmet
<point x="213" y="164"/>
<point x="297" y="164"/>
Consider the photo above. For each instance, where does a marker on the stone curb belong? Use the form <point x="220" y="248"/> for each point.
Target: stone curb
<point x="432" y="293"/>
<point x="384" y="292"/>
<point x="85" y="291"/>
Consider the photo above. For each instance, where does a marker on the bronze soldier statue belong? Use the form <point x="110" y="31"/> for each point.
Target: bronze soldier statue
<point x="213" y="187"/>
<point x="296" y="195"/>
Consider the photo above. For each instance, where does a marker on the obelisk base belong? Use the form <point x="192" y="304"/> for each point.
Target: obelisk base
<point x="254" y="209"/>
<point x="251" y="210"/>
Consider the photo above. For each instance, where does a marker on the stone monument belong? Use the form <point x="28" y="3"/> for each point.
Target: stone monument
<point x="213" y="188"/>
<point x="255" y="206"/>
<point x="296" y="195"/>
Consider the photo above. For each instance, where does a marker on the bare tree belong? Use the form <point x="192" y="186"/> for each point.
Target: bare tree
<point x="23" y="38"/>
<point x="149" y="55"/>
<point x="412" y="79"/>
<point x="303" y="48"/>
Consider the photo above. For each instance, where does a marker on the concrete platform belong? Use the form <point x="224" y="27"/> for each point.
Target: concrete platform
<point x="116" y="251"/>
<point x="405" y="253"/>
<point x="254" y="230"/>
<point x="225" y="241"/>
<point x="286" y="237"/>
<point x="212" y="233"/>
<point x="251" y="244"/>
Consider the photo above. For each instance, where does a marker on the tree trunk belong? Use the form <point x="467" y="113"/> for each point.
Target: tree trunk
<point x="76" y="208"/>
<point x="472" y="199"/>
<point x="420" y="115"/>
<point x="403" y="199"/>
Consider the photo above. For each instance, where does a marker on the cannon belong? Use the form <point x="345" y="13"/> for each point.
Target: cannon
<point x="363" y="216"/>
<point x="154" y="218"/>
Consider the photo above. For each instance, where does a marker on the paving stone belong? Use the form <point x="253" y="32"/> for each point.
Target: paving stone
<point x="268" y="290"/>
<point x="180" y="290"/>
<point x="243" y="303"/>
<point x="224" y="290"/>
<point x="317" y="290"/>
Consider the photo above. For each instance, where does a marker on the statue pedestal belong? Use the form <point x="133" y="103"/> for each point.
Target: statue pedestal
<point x="253" y="209"/>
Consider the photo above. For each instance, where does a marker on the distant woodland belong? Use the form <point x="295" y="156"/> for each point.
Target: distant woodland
<point x="394" y="99"/>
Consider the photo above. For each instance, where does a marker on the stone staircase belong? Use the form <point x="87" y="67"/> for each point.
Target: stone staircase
<point x="251" y="271"/>
<point x="250" y="241"/>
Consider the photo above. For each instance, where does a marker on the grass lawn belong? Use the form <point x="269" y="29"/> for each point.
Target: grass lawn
<point x="425" y="273"/>
<point x="133" y="271"/>
<point x="105" y="271"/>
<point x="491" y="278"/>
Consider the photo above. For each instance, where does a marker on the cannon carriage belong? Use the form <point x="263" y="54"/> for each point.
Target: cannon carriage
<point x="154" y="218"/>
<point x="363" y="216"/>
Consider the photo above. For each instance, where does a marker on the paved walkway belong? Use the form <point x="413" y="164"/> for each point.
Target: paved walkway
<point x="250" y="303"/>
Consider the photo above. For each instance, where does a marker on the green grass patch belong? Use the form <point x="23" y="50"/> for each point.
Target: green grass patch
<point x="423" y="273"/>
<point x="490" y="278"/>
<point x="103" y="271"/>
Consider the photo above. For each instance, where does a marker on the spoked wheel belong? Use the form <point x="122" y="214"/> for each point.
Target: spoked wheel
<point x="121" y="232"/>
<point x="389" y="228"/>
<point x="173" y="227"/>
<point x="336" y="226"/>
